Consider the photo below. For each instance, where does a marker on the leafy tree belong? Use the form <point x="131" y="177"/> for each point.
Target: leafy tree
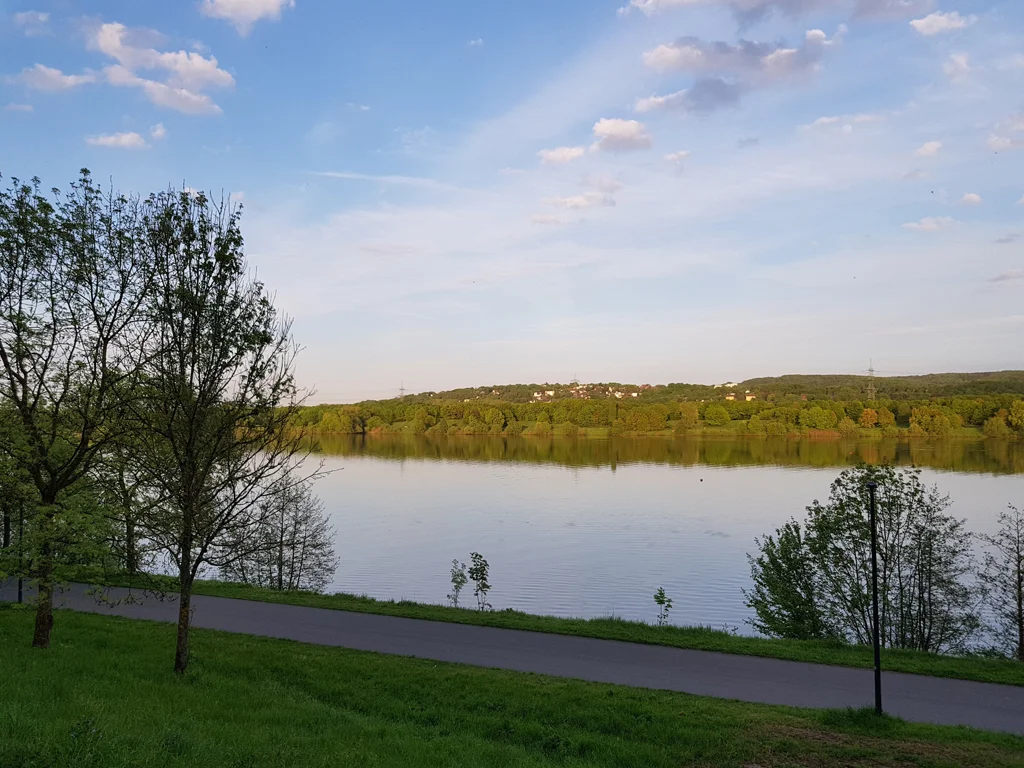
<point x="996" y="427"/>
<point x="868" y="418"/>
<point x="688" y="417"/>
<point x="847" y="427"/>
<point x="924" y="561"/>
<point x="664" y="603"/>
<point x="1003" y="578"/>
<point x="288" y="543"/>
<point x="73" y="281"/>
<point x="219" y="391"/>
<point x="459" y="581"/>
<point x="931" y="421"/>
<point x="886" y="418"/>
<point x="818" y="582"/>
<point x="716" y="416"/>
<point x="1016" y="417"/>
<point x="784" y="595"/>
<point x="479" y="572"/>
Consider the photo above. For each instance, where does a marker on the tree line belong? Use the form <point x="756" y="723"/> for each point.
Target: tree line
<point x="147" y="400"/>
<point x="994" y="415"/>
<point x="812" y="578"/>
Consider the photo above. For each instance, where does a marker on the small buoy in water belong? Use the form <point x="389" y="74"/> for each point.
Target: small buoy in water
<point x="702" y="479"/>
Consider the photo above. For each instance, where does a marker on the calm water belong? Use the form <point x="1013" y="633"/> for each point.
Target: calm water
<point x="592" y="528"/>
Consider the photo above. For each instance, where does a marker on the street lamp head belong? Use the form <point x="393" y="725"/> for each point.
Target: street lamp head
<point x="872" y="485"/>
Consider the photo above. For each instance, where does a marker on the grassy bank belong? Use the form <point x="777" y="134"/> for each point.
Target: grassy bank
<point x="104" y="697"/>
<point x="699" y="638"/>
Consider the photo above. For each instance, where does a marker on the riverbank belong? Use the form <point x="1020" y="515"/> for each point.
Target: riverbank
<point x="105" y="695"/>
<point x="976" y="668"/>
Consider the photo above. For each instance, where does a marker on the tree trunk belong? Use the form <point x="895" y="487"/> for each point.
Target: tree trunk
<point x="131" y="557"/>
<point x="184" y="620"/>
<point x="44" y="609"/>
<point x="184" y="611"/>
<point x="7" y="527"/>
<point x="44" y="575"/>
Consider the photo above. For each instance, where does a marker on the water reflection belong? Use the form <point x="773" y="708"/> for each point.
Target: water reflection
<point x="960" y="455"/>
<point x="593" y="527"/>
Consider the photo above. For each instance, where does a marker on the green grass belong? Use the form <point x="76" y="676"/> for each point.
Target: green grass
<point x="104" y="697"/>
<point x="978" y="668"/>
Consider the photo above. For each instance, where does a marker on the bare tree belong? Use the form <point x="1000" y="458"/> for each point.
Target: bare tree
<point x="72" y="287"/>
<point x="220" y="390"/>
<point x="1003" y="579"/>
<point x="291" y="544"/>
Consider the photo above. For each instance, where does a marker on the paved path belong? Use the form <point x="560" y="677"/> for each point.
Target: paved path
<point x="747" y="678"/>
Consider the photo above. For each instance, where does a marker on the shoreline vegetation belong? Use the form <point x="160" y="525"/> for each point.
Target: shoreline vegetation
<point x="104" y="697"/>
<point x="815" y="407"/>
<point x="968" y="667"/>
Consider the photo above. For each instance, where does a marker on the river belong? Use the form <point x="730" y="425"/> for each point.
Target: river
<point x="593" y="527"/>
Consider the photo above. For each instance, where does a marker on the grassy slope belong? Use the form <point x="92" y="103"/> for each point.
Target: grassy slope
<point x="701" y="638"/>
<point x="104" y="697"/>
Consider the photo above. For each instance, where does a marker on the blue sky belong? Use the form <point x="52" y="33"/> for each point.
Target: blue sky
<point x="461" y="193"/>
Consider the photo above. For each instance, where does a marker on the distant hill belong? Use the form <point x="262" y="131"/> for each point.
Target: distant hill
<point x="793" y="386"/>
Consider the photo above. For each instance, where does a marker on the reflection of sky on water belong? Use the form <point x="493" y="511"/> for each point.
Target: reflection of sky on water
<point x="584" y="541"/>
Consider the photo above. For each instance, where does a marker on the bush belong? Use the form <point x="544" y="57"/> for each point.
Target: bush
<point x="716" y="416"/>
<point x="996" y="427"/>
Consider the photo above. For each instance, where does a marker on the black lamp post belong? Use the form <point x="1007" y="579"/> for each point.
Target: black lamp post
<point x="872" y="488"/>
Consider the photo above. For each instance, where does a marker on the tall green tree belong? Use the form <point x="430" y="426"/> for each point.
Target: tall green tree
<point x="1003" y="578"/>
<point x="73" y="284"/>
<point x="219" y="391"/>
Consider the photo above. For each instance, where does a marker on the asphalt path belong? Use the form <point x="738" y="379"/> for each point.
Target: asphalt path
<point x="745" y="678"/>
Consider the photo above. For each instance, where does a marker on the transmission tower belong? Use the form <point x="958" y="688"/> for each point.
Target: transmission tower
<point x="401" y="390"/>
<point x="871" y="381"/>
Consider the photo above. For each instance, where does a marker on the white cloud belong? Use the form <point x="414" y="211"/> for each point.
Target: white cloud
<point x="938" y="22"/>
<point x="32" y="23"/>
<point x="765" y="61"/>
<point x="163" y="95"/>
<point x="578" y="202"/>
<point x="677" y="157"/>
<point x="546" y="219"/>
<point x="1013" y="274"/>
<point x="1021" y="201"/>
<point x="604" y="184"/>
<point x="891" y="9"/>
<point x="706" y="95"/>
<point x="476" y="43"/>
<point x="12" y="107"/>
<point x="187" y="73"/>
<point x="1003" y="143"/>
<point x="119" y="140"/>
<point x="930" y="224"/>
<point x="237" y="197"/>
<point x="157" y="132"/>
<point x="971" y="198"/>
<point x="560" y="155"/>
<point x="957" y="66"/>
<point x="615" y="135"/>
<point x="245" y="13"/>
<point x="43" y="78"/>
<point x="928" y="149"/>
<point x="511" y="171"/>
<point x="359" y="107"/>
<point x="844" y="122"/>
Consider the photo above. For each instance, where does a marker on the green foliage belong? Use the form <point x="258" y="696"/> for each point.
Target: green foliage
<point x="783" y="598"/>
<point x="459" y="580"/>
<point x="868" y="418"/>
<point x="664" y="603"/>
<point x="1003" y="580"/>
<point x="932" y="421"/>
<point x="848" y="427"/>
<point x="479" y="572"/>
<point x="886" y="418"/>
<point x="996" y="427"/>
<point x="688" y="418"/>
<point x="716" y="416"/>
<point x="1016" y="416"/>
<point x="819" y="579"/>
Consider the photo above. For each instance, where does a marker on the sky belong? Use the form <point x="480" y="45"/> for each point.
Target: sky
<point x="462" y="193"/>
